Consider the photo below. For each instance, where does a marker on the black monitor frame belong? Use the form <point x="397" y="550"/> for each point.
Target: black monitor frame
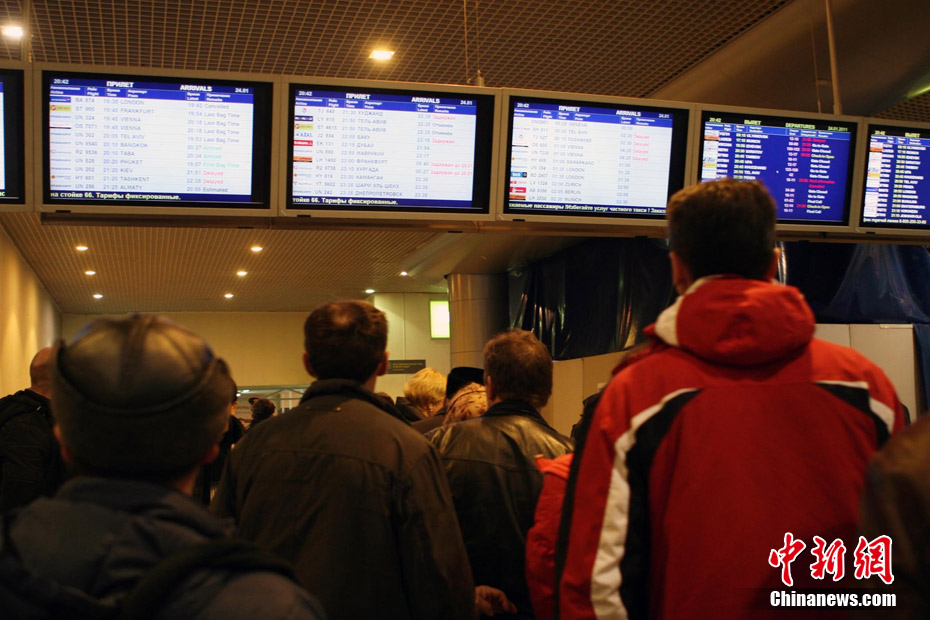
<point x="261" y="144"/>
<point x="14" y="138"/>
<point x="678" y="162"/>
<point x="485" y="133"/>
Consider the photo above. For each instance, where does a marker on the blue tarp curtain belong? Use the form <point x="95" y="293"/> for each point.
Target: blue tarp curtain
<point x="597" y="296"/>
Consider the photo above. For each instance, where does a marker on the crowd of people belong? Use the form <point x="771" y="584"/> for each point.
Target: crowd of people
<point x="128" y="485"/>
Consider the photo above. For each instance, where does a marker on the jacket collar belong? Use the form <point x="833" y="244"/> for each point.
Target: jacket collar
<point x="350" y="389"/>
<point x="138" y="497"/>
<point x="515" y="407"/>
<point x="34" y="398"/>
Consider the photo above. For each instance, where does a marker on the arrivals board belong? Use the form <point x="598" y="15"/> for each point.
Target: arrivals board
<point x="389" y="150"/>
<point x="12" y="181"/>
<point x="805" y="163"/>
<point x="570" y="157"/>
<point x="897" y="178"/>
<point x="145" y="140"/>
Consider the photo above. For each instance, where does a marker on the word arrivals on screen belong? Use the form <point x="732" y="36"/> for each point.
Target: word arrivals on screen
<point x="869" y="558"/>
<point x="391" y="150"/>
<point x="149" y="139"/>
<point x="588" y="158"/>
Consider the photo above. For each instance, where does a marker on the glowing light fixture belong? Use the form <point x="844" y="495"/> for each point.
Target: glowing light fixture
<point x="369" y="291"/>
<point x="242" y="273"/>
<point x="98" y="296"/>
<point x="439" y="319"/>
<point x="90" y="272"/>
<point x="13" y="32"/>
<point x="404" y="273"/>
<point x="257" y="248"/>
<point x="81" y="248"/>
<point x="381" y="54"/>
<point x="228" y="295"/>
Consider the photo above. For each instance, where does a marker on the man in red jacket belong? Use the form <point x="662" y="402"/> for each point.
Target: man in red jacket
<point x="735" y="429"/>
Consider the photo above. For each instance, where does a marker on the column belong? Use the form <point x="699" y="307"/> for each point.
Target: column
<point x="478" y="311"/>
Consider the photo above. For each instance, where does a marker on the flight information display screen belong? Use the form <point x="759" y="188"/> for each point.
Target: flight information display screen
<point x="389" y="150"/>
<point x="592" y="158"/>
<point x="12" y="181"/>
<point x="897" y="180"/>
<point x="157" y="141"/>
<point x="806" y="164"/>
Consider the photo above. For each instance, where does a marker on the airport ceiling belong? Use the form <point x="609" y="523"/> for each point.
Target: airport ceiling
<point x="630" y="47"/>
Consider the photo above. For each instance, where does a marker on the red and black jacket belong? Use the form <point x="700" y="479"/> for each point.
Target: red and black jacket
<point x="736" y="427"/>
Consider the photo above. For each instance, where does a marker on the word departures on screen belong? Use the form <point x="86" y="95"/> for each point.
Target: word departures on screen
<point x="897" y="179"/>
<point x="389" y="150"/>
<point x="12" y="181"/>
<point x="145" y="140"/>
<point x="593" y="158"/>
<point x="805" y="163"/>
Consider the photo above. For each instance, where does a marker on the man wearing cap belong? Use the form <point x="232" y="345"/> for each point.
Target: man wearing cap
<point x="140" y="404"/>
<point x="347" y="490"/>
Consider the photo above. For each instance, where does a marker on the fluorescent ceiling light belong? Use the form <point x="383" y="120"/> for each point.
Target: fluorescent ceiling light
<point x="369" y="291"/>
<point x="80" y="248"/>
<point x="381" y="54"/>
<point x="90" y="272"/>
<point x="257" y="248"/>
<point x="228" y="295"/>
<point x="242" y="273"/>
<point x="98" y="296"/>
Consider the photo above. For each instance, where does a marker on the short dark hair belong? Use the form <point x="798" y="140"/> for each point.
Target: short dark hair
<point x="723" y="227"/>
<point x="520" y="367"/>
<point x="345" y="340"/>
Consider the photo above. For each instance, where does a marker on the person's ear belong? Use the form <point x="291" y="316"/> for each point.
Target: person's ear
<point x="307" y="366"/>
<point x="382" y="367"/>
<point x="489" y="388"/>
<point x="773" y="266"/>
<point x="65" y="451"/>
<point x="681" y="273"/>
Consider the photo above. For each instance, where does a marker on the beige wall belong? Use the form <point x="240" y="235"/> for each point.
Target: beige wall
<point x="265" y="348"/>
<point x="261" y="348"/>
<point x="572" y="382"/>
<point x="409" y="336"/>
<point x="29" y="318"/>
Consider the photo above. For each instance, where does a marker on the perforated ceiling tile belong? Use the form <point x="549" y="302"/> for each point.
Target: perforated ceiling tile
<point x="916" y="109"/>
<point x="622" y="48"/>
<point x="190" y="269"/>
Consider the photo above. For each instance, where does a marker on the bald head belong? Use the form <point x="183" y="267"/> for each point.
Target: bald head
<point x="40" y="371"/>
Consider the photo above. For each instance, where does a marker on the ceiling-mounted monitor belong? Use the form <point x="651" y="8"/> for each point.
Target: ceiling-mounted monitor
<point x="805" y="161"/>
<point x="896" y="193"/>
<point x="115" y="139"/>
<point x="582" y="155"/>
<point x="364" y="150"/>
<point x="12" y="122"/>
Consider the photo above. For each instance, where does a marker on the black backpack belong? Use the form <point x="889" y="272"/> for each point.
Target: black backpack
<point x="26" y="596"/>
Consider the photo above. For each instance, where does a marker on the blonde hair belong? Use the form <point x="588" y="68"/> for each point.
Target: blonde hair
<point x="426" y="391"/>
<point x="469" y="402"/>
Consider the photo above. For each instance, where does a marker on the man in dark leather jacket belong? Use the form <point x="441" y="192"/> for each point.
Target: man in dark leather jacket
<point x="346" y="490"/>
<point x="491" y="466"/>
<point x="30" y="461"/>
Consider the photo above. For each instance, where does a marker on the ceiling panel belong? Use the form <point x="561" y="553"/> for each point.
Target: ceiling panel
<point x="622" y="48"/>
<point x="190" y="269"/>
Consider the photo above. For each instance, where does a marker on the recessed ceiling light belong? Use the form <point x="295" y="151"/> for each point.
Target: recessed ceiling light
<point x="381" y="54"/>
<point x="98" y="296"/>
<point x="369" y="291"/>
<point x="404" y="273"/>
<point x="81" y="248"/>
<point x="228" y="295"/>
<point x="257" y="248"/>
<point x="13" y="32"/>
<point x="242" y="272"/>
<point x="246" y="391"/>
<point x="90" y="272"/>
